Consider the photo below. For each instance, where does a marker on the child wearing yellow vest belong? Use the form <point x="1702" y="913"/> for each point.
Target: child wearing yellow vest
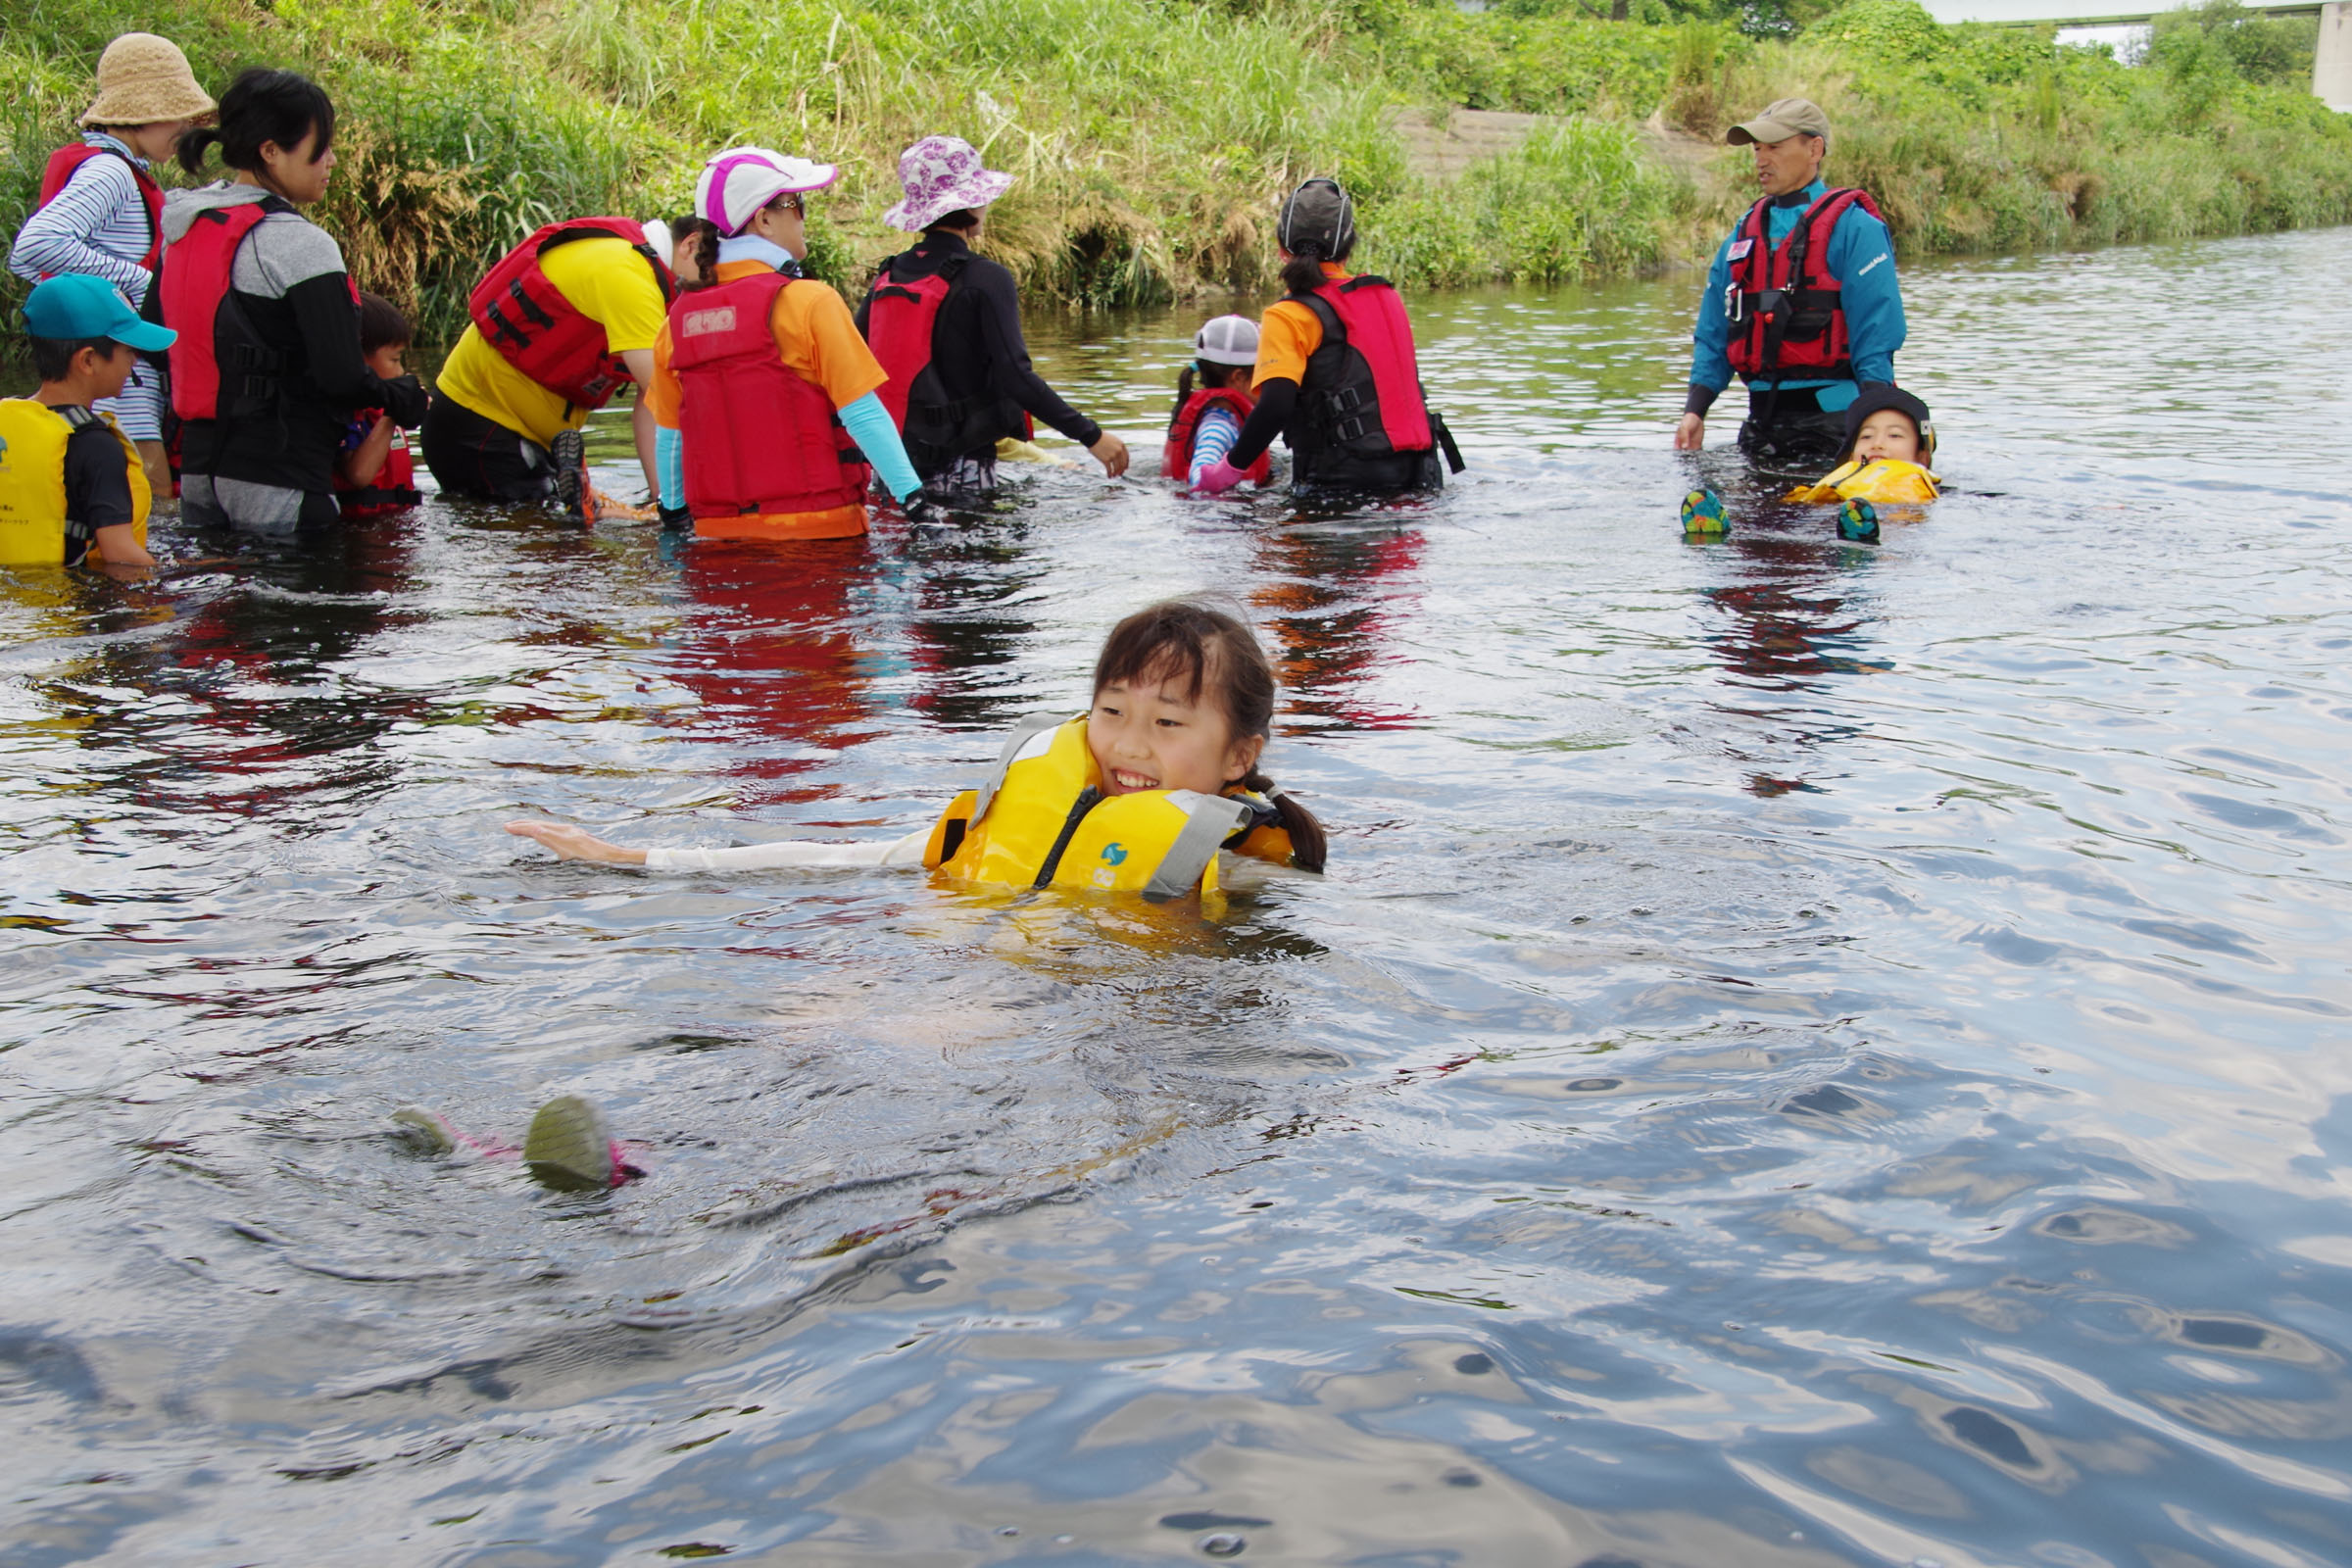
<point x="1145" y="793"/>
<point x="1889" y="445"/>
<point x="71" y="481"/>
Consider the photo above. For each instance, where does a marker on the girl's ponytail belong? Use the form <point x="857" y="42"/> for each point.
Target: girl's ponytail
<point x="1309" y="847"/>
<point x="705" y="252"/>
<point x="1303" y="274"/>
<point x="192" y="143"/>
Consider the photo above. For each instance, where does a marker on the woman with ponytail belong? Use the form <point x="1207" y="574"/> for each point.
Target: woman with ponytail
<point x="266" y="370"/>
<point x="1155" y="789"/>
<point x="1338" y="376"/>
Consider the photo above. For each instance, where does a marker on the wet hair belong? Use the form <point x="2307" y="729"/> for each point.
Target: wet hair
<point x="1209" y="375"/>
<point x="1885" y="397"/>
<point x="52" y="357"/>
<point x="382" y="325"/>
<point x="262" y="105"/>
<point x="1203" y="646"/>
<point x="1303" y="274"/>
<point x="705" y="234"/>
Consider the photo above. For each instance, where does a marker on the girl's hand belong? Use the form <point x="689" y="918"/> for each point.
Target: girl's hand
<point x="1219" y="477"/>
<point x="575" y="843"/>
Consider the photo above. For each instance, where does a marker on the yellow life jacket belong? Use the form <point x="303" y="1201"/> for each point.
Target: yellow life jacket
<point x="1041" y="819"/>
<point x="1883" y="480"/>
<point x="33" y="480"/>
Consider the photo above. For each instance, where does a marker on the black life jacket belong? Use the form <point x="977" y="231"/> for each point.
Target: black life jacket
<point x="1786" y="311"/>
<point x="902" y="323"/>
<point x="1363" y="420"/>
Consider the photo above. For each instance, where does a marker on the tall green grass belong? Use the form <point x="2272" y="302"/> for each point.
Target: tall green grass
<point x="1575" y="200"/>
<point x="1153" y="139"/>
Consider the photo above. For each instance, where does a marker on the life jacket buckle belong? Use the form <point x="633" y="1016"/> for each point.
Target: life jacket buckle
<point x="1735" y="304"/>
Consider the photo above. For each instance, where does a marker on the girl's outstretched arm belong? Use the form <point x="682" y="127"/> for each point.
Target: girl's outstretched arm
<point x="579" y="844"/>
<point x="575" y="843"/>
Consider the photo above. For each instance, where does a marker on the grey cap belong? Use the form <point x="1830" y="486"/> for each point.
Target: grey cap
<point x="1790" y="116"/>
<point x="1227" y="340"/>
<point x="1318" y="217"/>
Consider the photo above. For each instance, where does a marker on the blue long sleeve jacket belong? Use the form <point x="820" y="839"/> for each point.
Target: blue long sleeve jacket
<point x="1861" y="256"/>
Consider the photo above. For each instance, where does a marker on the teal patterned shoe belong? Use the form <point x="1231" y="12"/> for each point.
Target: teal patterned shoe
<point x="1703" y="514"/>
<point x="1858" y="520"/>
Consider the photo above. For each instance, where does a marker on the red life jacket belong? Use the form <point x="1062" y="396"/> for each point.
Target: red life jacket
<point x="395" y="484"/>
<point x="66" y="159"/>
<point x="1176" y="458"/>
<point x="1785" y="310"/>
<point x="543" y="335"/>
<point x="218" y="346"/>
<point x="765" y="442"/>
<point x="1362" y="411"/>
<point x="900" y="322"/>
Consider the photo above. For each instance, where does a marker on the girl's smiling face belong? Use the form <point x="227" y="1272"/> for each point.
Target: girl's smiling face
<point x="1888" y="433"/>
<point x="1152" y="734"/>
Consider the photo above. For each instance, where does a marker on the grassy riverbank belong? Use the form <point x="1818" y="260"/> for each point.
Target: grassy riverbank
<point x="1152" y="136"/>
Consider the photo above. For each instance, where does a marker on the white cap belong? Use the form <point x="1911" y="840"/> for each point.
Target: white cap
<point x="658" y="239"/>
<point x="1227" y="340"/>
<point x="736" y="183"/>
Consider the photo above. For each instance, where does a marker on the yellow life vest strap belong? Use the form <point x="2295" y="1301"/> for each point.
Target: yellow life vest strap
<point x="1027" y="729"/>
<point x="1209" y="820"/>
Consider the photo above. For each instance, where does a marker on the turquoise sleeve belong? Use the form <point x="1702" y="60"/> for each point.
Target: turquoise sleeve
<point x="877" y="436"/>
<point x="669" y="466"/>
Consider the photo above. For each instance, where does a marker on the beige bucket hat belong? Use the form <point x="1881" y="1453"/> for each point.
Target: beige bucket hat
<point x="143" y="79"/>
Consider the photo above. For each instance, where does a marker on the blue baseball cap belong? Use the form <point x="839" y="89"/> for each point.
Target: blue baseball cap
<point x="75" y="305"/>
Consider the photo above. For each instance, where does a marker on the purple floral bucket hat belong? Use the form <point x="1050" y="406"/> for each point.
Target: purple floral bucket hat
<point x="942" y="174"/>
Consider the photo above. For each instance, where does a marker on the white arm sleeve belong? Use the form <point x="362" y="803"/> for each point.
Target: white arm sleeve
<point x="790" y="856"/>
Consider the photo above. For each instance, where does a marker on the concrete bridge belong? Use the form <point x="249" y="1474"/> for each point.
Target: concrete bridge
<point x="2330" y="68"/>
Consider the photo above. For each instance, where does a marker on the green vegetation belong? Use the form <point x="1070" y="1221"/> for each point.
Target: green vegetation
<point x="1153" y="138"/>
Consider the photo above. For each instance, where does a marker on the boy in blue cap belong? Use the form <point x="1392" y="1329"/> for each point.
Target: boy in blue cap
<point x="71" y="481"/>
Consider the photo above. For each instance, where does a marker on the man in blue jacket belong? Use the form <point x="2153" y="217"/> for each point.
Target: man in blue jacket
<point x="1801" y="303"/>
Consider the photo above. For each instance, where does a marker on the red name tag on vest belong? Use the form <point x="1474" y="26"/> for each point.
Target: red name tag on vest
<point x="1740" y="249"/>
<point x="700" y="322"/>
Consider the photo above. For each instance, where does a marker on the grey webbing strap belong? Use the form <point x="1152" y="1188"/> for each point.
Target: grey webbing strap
<point x="1027" y="730"/>
<point x="1210" y="822"/>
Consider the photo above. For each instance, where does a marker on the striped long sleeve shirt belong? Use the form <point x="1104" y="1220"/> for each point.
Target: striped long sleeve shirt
<point x="97" y="224"/>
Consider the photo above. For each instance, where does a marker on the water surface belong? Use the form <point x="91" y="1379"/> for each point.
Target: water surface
<point x="1808" y="1053"/>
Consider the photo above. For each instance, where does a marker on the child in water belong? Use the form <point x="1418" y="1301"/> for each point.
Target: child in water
<point x="1204" y="423"/>
<point x="374" y="471"/>
<point x="71" y="486"/>
<point x="1139" y="794"/>
<point x="1888" y="444"/>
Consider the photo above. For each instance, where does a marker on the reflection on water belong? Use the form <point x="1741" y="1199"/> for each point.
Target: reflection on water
<point x="1809" y="1053"/>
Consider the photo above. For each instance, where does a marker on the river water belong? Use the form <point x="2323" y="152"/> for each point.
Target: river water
<point x="1808" y="1053"/>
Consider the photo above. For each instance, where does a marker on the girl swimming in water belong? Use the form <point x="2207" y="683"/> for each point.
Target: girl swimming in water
<point x="1207" y="420"/>
<point x="1148" y="790"/>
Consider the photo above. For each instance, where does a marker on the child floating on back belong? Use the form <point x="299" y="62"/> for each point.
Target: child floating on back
<point x="1139" y="794"/>
<point x="71" y="481"/>
<point x="1888" y="444"/>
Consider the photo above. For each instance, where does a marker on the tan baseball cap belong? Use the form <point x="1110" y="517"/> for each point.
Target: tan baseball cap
<point x="1790" y="117"/>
